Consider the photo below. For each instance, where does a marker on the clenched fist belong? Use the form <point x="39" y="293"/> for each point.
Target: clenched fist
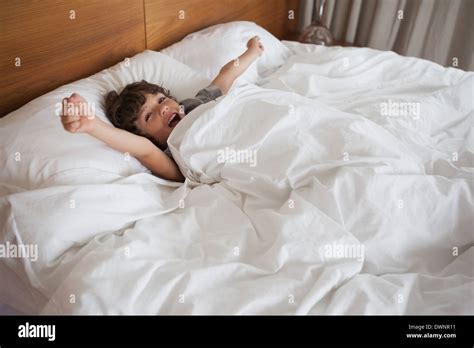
<point x="77" y="115"/>
<point x="255" y="45"/>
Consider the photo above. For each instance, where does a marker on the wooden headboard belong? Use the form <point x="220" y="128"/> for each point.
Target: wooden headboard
<point x="46" y="44"/>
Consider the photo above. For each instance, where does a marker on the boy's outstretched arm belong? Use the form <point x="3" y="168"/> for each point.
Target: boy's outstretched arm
<point x="139" y="147"/>
<point x="229" y="72"/>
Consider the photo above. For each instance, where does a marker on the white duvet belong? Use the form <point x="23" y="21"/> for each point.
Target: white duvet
<point x="341" y="185"/>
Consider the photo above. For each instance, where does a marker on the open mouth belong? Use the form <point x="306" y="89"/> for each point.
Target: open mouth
<point x="173" y="120"/>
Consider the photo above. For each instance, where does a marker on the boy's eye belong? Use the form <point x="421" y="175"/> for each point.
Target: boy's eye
<point x="147" y="117"/>
<point x="161" y="99"/>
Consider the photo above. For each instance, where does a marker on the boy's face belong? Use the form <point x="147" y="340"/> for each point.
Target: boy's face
<point x="158" y="116"/>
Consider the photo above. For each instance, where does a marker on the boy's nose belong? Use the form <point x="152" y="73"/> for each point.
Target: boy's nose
<point x="164" y="109"/>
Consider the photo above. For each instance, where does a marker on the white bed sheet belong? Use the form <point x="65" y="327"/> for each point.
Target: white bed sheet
<point x="331" y="172"/>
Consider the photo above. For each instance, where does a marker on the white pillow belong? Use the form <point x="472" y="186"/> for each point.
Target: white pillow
<point x="35" y="150"/>
<point x="208" y="50"/>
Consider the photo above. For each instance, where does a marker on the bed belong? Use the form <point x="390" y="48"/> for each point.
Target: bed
<point x="329" y="180"/>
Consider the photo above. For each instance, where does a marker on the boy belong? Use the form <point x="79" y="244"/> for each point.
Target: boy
<point x="144" y="115"/>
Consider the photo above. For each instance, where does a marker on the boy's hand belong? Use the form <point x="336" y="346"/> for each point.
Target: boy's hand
<point x="232" y="70"/>
<point x="76" y="115"/>
<point x="255" y="45"/>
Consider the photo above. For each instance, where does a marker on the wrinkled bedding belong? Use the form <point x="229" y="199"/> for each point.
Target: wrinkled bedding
<point x="341" y="184"/>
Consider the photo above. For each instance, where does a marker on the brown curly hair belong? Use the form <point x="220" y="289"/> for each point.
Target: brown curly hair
<point x="123" y="109"/>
